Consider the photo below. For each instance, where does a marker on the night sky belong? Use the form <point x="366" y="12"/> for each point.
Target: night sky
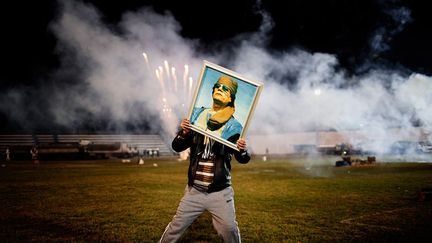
<point x="339" y="27"/>
<point x="343" y="28"/>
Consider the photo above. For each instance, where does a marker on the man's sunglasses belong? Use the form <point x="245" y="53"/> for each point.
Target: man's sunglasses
<point x="224" y="87"/>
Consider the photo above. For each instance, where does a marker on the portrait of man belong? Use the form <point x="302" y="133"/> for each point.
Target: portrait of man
<point x="219" y="118"/>
<point x="222" y="104"/>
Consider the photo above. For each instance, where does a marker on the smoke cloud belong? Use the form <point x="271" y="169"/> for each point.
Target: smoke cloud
<point x="104" y="78"/>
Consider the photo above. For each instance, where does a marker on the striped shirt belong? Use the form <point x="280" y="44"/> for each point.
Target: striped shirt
<point x="205" y="173"/>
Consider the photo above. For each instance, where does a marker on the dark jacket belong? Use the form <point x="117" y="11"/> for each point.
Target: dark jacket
<point x="222" y="158"/>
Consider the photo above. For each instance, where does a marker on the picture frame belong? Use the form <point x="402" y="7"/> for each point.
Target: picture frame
<point x="244" y="93"/>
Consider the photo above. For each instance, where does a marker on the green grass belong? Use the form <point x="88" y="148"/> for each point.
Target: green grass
<point x="286" y="200"/>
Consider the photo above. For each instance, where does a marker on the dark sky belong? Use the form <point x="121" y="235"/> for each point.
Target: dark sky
<point x="343" y="28"/>
<point x="340" y="27"/>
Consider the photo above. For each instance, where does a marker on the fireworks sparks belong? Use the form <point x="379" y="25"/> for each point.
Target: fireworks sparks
<point x="167" y="69"/>
<point x="190" y="86"/>
<point x="146" y="61"/>
<point x="174" y="95"/>
<point x="185" y="75"/>
<point x="174" y="77"/>
<point x="167" y="77"/>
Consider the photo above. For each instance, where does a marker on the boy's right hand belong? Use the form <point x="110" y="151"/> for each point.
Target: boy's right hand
<point x="185" y="126"/>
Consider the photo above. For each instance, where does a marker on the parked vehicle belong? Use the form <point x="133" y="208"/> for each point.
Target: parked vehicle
<point x="425" y="146"/>
<point x="60" y="151"/>
<point x="119" y="150"/>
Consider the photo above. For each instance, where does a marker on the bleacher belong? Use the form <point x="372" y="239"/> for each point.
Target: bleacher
<point x="141" y="142"/>
<point x="15" y="140"/>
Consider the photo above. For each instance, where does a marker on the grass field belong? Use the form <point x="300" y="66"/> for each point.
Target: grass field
<point x="286" y="200"/>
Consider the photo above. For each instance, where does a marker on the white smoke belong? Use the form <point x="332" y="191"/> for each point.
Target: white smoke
<point x="115" y="73"/>
<point x="302" y="91"/>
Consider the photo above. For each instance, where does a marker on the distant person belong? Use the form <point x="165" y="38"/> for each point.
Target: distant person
<point x="220" y="117"/>
<point x="209" y="184"/>
<point x="34" y="155"/>
<point x="7" y="152"/>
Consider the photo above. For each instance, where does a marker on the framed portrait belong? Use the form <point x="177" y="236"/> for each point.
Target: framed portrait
<point x="223" y="104"/>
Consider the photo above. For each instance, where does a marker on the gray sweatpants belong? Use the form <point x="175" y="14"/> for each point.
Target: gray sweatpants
<point x="194" y="203"/>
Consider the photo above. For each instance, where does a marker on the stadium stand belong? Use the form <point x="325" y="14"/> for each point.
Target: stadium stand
<point x="14" y="140"/>
<point x="142" y="143"/>
<point x="16" y="143"/>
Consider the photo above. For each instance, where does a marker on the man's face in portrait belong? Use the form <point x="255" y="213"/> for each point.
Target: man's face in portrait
<point x="221" y="94"/>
